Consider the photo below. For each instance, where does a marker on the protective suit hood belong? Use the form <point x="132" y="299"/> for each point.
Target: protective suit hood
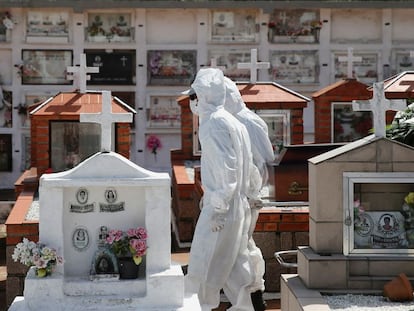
<point x="210" y="90"/>
<point x="234" y="102"/>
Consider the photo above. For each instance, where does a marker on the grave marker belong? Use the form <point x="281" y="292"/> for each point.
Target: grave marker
<point x="80" y="74"/>
<point x="254" y="65"/>
<point x="105" y="119"/>
<point x="350" y="59"/>
<point x="379" y="105"/>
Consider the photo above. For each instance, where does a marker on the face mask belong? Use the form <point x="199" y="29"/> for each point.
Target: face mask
<point x="194" y="106"/>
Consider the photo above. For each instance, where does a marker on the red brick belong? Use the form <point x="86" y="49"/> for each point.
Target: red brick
<point x="270" y="226"/>
<point x="293" y="227"/>
<point x="268" y="217"/>
<point x="301" y="217"/>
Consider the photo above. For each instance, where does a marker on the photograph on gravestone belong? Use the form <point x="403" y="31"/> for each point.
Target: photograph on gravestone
<point x="82" y="200"/>
<point x="80" y="238"/>
<point x="378" y="213"/>
<point x="82" y="195"/>
<point x="111" y="197"/>
<point x="116" y="67"/>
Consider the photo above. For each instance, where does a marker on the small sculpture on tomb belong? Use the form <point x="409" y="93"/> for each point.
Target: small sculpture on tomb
<point x="104" y="263"/>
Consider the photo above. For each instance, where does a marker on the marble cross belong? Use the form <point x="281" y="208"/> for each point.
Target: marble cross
<point x="105" y="119"/>
<point x="81" y="73"/>
<point x="350" y="58"/>
<point x="379" y="105"/>
<point x="254" y="65"/>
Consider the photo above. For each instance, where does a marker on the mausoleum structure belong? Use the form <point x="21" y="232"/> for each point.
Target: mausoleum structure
<point x="59" y="142"/>
<point x="359" y="222"/>
<point x="117" y="194"/>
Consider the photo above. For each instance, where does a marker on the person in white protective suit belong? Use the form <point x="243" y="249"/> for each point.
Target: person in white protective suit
<point x="262" y="151"/>
<point x="219" y="256"/>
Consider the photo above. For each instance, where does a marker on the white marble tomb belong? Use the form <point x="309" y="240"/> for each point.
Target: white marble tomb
<point x="142" y="198"/>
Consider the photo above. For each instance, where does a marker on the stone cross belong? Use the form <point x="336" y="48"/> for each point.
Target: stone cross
<point x="379" y="104"/>
<point x="254" y="65"/>
<point x="350" y="59"/>
<point x="81" y="73"/>
<point x="105" y="119"/>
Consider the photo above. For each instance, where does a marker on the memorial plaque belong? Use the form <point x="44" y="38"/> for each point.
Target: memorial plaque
<point x="171" y="67"/>
<point x="45" y="66"/>
<point x="80" y="238"/>
<point x="380" y="230"/>
<point x="115" y="68"/>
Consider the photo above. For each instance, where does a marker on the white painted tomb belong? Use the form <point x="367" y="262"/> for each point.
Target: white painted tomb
<point x="142" y="198"/>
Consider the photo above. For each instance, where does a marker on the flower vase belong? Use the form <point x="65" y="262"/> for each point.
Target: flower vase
<point x="43" y="272"/>
<point x="127" y="268"/>
<point x="399" y="289"/>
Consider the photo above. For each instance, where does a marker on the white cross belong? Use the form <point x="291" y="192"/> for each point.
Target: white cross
<point x="105" y="119"/>
<point x="283" y="17"/>
<point x="254" y="65"/>
<point x="350" y="59"/>
<point x="213" y="64"/>
<point x="123" y="60"/>
<point x="379" y="105"/>
<point x="81" y="73"/>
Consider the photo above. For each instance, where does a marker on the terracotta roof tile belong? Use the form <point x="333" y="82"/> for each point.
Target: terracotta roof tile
<point x="75" y="103"/>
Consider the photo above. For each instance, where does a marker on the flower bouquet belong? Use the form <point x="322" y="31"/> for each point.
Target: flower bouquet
<point x="43" y="258"/>
<point x="132" y="243"/>
<point x="153" y="143"/>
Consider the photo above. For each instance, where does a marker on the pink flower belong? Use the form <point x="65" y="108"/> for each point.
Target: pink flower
<point x="139" y="246"/>
<point x="142" y="233"/>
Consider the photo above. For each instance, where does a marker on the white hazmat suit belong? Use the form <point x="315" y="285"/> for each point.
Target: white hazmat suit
<point x="262" y="151"/>
<point x="219" y="256"/>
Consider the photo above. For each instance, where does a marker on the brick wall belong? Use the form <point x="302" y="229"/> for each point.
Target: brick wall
<point x="17" y="228"/>
<point x="342" y="91"/>
<point x="40" y="134"/>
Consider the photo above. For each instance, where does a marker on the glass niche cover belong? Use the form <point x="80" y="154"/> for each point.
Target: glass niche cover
<point x="378" y="213"/>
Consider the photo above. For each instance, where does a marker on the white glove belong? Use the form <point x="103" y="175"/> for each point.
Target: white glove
<point x="217" y="222"/>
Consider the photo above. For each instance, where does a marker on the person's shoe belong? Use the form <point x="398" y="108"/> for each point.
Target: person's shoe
<point x="257" y="300"/>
